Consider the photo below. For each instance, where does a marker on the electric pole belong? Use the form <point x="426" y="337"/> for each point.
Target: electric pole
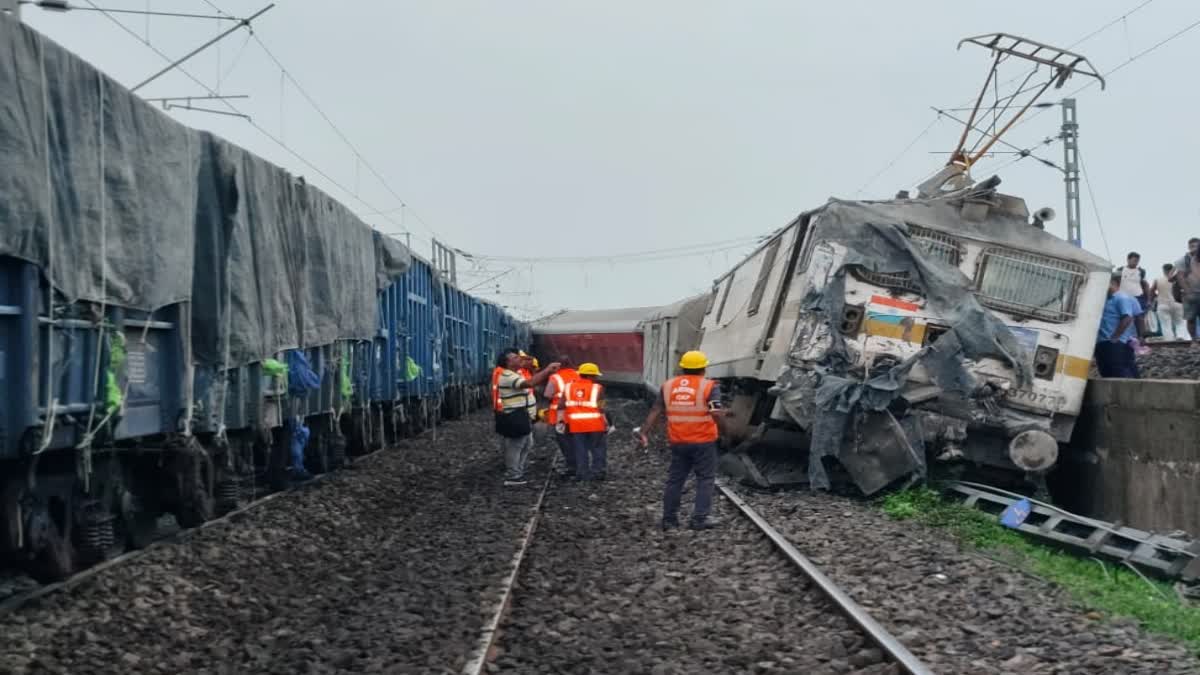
<point x="1070" y="139"/>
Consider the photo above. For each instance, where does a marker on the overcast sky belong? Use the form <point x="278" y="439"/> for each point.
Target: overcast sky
<point x="553" y="128"/>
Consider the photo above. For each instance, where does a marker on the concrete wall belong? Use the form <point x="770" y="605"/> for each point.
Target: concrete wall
<point x="1135" y="455"/>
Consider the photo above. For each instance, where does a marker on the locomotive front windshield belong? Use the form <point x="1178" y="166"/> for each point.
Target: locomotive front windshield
<point x="1028" y="284"/>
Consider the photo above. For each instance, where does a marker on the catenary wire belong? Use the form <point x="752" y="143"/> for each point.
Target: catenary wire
<point x="690" y="249"/>
<point x="275" y="139"/>
<point x="1095" y="209"/>
<point x="1092" y="82"/>
<point x="337" y="130"/>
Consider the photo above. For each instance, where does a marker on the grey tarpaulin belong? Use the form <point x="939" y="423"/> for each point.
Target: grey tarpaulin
<point x="875" y="236"/>
<point x="120" y="204"/>
<point x="96" y="186"/>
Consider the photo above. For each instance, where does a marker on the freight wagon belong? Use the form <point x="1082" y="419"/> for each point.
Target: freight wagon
<point x="180" y="319"/>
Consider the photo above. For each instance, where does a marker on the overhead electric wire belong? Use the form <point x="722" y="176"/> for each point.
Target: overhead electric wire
<point x="337" y="130"/>
<point x="1095" y="209"/>
<point x="900" y="155"/>
<point x="234" y="108"/>
<point x="638" y="256"/>
<point x="1083" y="39"/>
<point x="1092" y="82"/>
<point x="1130" y="60"/>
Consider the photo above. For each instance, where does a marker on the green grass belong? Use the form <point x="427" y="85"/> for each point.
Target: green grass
<point x="1107" y="588"/>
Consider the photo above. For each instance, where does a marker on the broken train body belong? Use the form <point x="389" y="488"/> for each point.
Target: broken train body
<point x="899" y="337"/>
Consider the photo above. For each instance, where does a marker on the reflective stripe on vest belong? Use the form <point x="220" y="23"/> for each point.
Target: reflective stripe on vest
<point x="497" y="405"/>
<point x="582" y="403"/>
<point x="688" y="418"/>
<point x="561" y="379"/>
<point x="530" y="397"/>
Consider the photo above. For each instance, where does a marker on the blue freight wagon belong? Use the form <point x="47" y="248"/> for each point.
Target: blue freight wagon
<point x="218" y="322"/>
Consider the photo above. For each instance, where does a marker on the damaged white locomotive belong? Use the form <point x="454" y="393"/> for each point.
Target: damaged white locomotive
<point x="881" y="334"/>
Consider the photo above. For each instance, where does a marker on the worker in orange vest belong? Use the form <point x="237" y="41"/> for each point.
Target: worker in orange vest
<point x="692" y="405"/>
<point x="583" y="421"/>
<point x="555" y="388"/>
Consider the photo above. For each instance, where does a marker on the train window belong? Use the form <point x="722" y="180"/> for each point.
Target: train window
<point x="725" y="297"/>
<point x="1028" y="284"/>
<point x="936" y="244"/>
<point x="764" y="273"/>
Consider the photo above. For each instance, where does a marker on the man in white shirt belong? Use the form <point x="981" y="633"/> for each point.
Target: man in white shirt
<point x="1168" y="308"/>
<point x="1133" y="284"/>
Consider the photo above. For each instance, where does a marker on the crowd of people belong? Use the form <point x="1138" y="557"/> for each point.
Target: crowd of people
<point x="575" y="410"/>
<point x="1137" y="309"/>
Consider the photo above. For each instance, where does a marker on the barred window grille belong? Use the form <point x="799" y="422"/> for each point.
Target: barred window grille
<point x="936" y="244"/>
<point x="1028" y="284"/>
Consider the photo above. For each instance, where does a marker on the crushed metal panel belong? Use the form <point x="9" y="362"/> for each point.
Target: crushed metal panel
<point x="882" y="451"/>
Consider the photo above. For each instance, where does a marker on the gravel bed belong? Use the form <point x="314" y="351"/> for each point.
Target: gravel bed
<point x="959" y="612"/>
<point x="389" y="566"/>
<point x="604" y="591"/>
<point x="1173" y="362"/>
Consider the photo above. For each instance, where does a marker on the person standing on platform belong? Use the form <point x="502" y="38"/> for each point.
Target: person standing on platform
<point x="584" y="423"/>
<point x="1168" y="305"/>
<point x="1133" y="284"/>
<point x="692" y="406"/>
<point x="514" y="421"/>
<point x="1187" y="275"/>
<point x="1114" y="353"/>
<point x="555" y="388"/>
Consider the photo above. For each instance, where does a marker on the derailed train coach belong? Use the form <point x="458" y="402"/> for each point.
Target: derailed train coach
<point x="182" y="322"/>
<point x="611" y="338"/>
<point x="898" y="337"/>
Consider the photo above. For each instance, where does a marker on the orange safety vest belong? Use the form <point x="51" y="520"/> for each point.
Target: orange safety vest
<point x="688" y="417"/>
<point x="561" y="379"/>
<point x="496" y="404"/>
<point x="583" y="408"/>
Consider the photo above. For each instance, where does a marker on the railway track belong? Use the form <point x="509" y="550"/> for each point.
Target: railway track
<point x="425" y="563"/>
<point x="554" y="614"/>
<point x="15" y="601"/>
<point x="887" y="642"/>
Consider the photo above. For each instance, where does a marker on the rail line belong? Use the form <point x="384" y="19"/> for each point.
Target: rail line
<point x="852" y="610"/>
<point x="19" y="600"/>
<point x="484" y="651"/>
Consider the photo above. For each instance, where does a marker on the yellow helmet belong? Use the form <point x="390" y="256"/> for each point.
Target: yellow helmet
<point x="535" y="363"/>
<point x="693" y="360"/>
<point x="589" y="369"/>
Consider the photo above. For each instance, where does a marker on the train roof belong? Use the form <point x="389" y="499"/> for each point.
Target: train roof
<point x="1007" y="227"/>
<point x="625" y="320"/>
<point x="673" y="310"/>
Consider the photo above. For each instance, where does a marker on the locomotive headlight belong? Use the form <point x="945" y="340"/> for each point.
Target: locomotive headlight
<point x="1045" y="362"/>
<point x="1033" y="450"/>
<point x="852" y="316"/>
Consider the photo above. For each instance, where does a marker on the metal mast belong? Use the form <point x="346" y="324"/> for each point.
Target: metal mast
<point x="1070" y="139"/>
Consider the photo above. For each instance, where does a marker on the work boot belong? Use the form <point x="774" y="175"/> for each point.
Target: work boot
<point x="514" y="482"/>
<point x="668" y="525"/>
<point x="599" y="476"/>
<point x="704" y="524"/>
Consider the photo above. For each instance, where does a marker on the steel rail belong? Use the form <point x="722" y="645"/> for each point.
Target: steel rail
<point x="853" y="611"/>
<point x="19" y="600"/>
<point x="481" y="656"/>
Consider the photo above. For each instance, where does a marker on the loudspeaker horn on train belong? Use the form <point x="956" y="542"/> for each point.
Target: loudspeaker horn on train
<point x="1041" y="216"/>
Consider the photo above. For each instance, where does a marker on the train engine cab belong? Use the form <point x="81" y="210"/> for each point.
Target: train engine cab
<point x="910" y="335"/>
